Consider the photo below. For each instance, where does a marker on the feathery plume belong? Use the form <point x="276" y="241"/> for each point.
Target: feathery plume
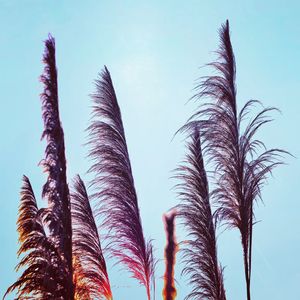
<point x="200" y="252"/>
<point x="115" y="190"/>
<point x="90" y="271"/>
<point x="43" y="277"/>
<point x="58" y="214"/>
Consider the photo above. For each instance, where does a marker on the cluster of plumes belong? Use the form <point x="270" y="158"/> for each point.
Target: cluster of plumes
<point x="242" y="162"/>
<point x="90" y="271"/>
<point x="113" y="181"/>
<point x="48" y="257"/>
<point x="169" y="291"/>
<point x="200" y="250"/>
<point x="45" y="234"/>
<point x="60" y="244"/>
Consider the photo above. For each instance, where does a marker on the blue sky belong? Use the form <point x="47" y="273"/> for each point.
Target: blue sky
<point x="153" y="50"/>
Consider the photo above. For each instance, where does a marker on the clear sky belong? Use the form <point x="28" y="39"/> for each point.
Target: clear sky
<point x="154" y="50"/>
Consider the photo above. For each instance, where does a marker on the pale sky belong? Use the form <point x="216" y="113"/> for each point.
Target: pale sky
<point x="153" y="50"/>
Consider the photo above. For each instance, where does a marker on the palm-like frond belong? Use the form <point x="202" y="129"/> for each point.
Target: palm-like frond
<point x="240" y="168"/>
<point x="43" y="277"/>
<point x="200" y="253"/>
<point x="90" y="272"/>
<point x="169" y="290"/>
<point x="117" y="199"/>
<point x="58" y="214"/>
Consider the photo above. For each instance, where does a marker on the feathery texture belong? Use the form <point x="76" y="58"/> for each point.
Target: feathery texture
<point x="200" y="253"/>
<point x="58" y="214"/>
<point x="242" y="162"/>
<point x="90" y="272"/>
<point x="169" y="290"/>
<point x="115" y="190"/>
<point x="43" y="277"/>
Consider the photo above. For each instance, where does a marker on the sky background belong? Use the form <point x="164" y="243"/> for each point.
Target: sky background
<point x="153" y="50"/>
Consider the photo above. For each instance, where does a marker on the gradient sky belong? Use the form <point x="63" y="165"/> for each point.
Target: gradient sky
<point x="153" y="50"/>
